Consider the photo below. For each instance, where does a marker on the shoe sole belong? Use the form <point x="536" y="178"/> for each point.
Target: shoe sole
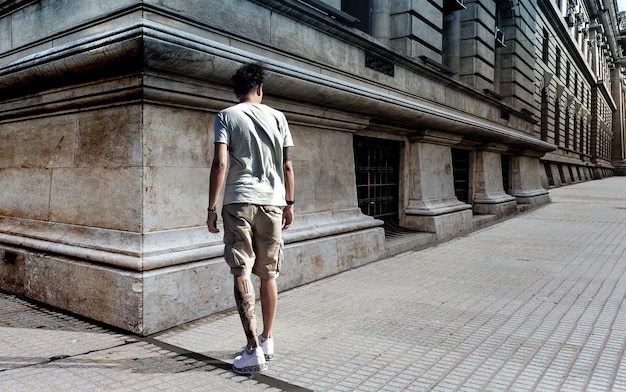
<point x="250" y="369"/>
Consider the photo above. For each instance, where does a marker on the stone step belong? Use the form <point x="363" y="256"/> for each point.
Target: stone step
<point x="483" y="220"/>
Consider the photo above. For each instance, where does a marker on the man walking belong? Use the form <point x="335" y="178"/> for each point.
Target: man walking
<point x="258" y="203"/>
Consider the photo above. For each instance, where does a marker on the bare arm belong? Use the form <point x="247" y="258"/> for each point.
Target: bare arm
<point x="218" y="172"/>
<point x="289" y="189"/>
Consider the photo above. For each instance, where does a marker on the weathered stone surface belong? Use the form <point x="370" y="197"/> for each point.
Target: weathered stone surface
<point x="25" y="193"/>
<point x="177" y="137"/>
<point x="50" y="17"/>
<point x="175" y="296"/>
<point x="444" y="226"/>
<point x="106" y="294"/>
<point x="431" y="187"/>
<point x="101" y="197"/>
<point x="489" y="195"/>
<point x="39" y="143"/>
<point x="526" y="181"/>
<point x="110" y="137"/>
<point x="174" y="197"/>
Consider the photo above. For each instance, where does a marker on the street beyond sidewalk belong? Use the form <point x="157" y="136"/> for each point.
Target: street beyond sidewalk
<point x="532" y="303"/>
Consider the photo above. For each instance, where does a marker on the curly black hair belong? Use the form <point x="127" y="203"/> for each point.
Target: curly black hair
<point x="247" y="78"/>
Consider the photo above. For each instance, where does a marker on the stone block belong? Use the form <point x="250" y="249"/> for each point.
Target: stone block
<point x="533" y="200"/>
<point x="100" y="197"/>
<point x="499" y="210"/>
<point x="426" y="12"/>
<point x="174" y="296"/>
<point x="48" y="18"/>
<point x="428" y="88"/>
<point x="109" y="295"/>
<point x="25" y="193"/>
<point x="177" y="137"/>
<point x="526" y="181"/>
<point x="175" y="197"/>
<point x="490" y="197"/>
<point x="327" y="256"/>
<point x="110" y="137"/>
<point x="444" y="226"/>
<point x="480" y="83"/>
<point x="335" y="188"/>
<point x="249" y="19"/>
<point x="55" y="138"/>
<point x="473" y="47"/>
<point x="479" y="10"/>
<point x="324" y="167"/>
<point x="289" y="35"/>
<point x="425" y="34"/>
<point x="477" y="66"/>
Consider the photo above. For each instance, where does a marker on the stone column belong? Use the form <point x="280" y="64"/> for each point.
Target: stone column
<point x="490" y="197"/>
<point x="451" y="50"/>
<point x="381" y="20"/>
<point x="526" y="179"/>
<point x="432" y="205"/>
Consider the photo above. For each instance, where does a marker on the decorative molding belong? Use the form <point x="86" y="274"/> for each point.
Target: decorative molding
<point x="146" y="45"/>
<point x="150" y="251"/>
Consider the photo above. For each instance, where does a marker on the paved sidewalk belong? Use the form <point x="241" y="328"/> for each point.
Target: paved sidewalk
<point x="533" y="303"/>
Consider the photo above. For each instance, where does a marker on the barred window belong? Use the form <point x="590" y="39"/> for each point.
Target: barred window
<point x="360" y="9"/>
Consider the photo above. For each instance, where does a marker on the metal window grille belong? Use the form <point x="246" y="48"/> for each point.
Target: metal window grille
<point x="360" y="9"/>
<point x="377" y="167"/>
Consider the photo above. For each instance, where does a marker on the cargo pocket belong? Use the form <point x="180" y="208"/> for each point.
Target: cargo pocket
<point x="233" y="256"/>
<point x="279" y="263"/>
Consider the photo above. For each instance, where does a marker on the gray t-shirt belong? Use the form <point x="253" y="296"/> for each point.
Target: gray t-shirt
<point x="255" y="135"/>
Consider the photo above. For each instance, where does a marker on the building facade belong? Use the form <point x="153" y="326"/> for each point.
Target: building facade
<point x="414" y="120"/>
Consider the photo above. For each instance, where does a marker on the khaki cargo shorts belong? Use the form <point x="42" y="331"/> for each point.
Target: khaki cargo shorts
<point x="253" y="239"/>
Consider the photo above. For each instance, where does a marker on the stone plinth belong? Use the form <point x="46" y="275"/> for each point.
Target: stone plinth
<point x="432" y="205"/>
<point x="526" y="180"/>
<point x="490" y="197"/>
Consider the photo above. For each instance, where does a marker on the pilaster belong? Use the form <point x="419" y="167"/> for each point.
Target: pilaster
<point x="490" y="197"/>
<point x="432" y="205"/>
<point x="526" y="179"/>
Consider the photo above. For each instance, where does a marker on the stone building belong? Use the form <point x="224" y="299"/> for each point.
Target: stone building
<point x="414" y="120"/>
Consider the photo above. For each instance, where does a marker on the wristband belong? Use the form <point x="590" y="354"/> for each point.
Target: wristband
<point x="214" y="209"/>
<point x="290" y="202"/>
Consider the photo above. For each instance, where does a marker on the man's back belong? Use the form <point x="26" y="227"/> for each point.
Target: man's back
<point x="255" y="135"/>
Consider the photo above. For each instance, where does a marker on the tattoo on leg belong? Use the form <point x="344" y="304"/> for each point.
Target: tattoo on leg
<point x="244" y="298"/>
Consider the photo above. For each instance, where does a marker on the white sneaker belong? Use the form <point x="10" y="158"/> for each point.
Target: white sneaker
<point x="250" y="361"/>
<point x="268" y="347"/>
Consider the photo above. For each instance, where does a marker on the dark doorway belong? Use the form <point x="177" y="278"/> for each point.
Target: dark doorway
<point x="506" y="164"/>
<point x="460" y="170"/>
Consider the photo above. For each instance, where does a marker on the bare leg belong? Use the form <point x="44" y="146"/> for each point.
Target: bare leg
<point x="244" y="298"/>
<point x="269" y="301"/>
